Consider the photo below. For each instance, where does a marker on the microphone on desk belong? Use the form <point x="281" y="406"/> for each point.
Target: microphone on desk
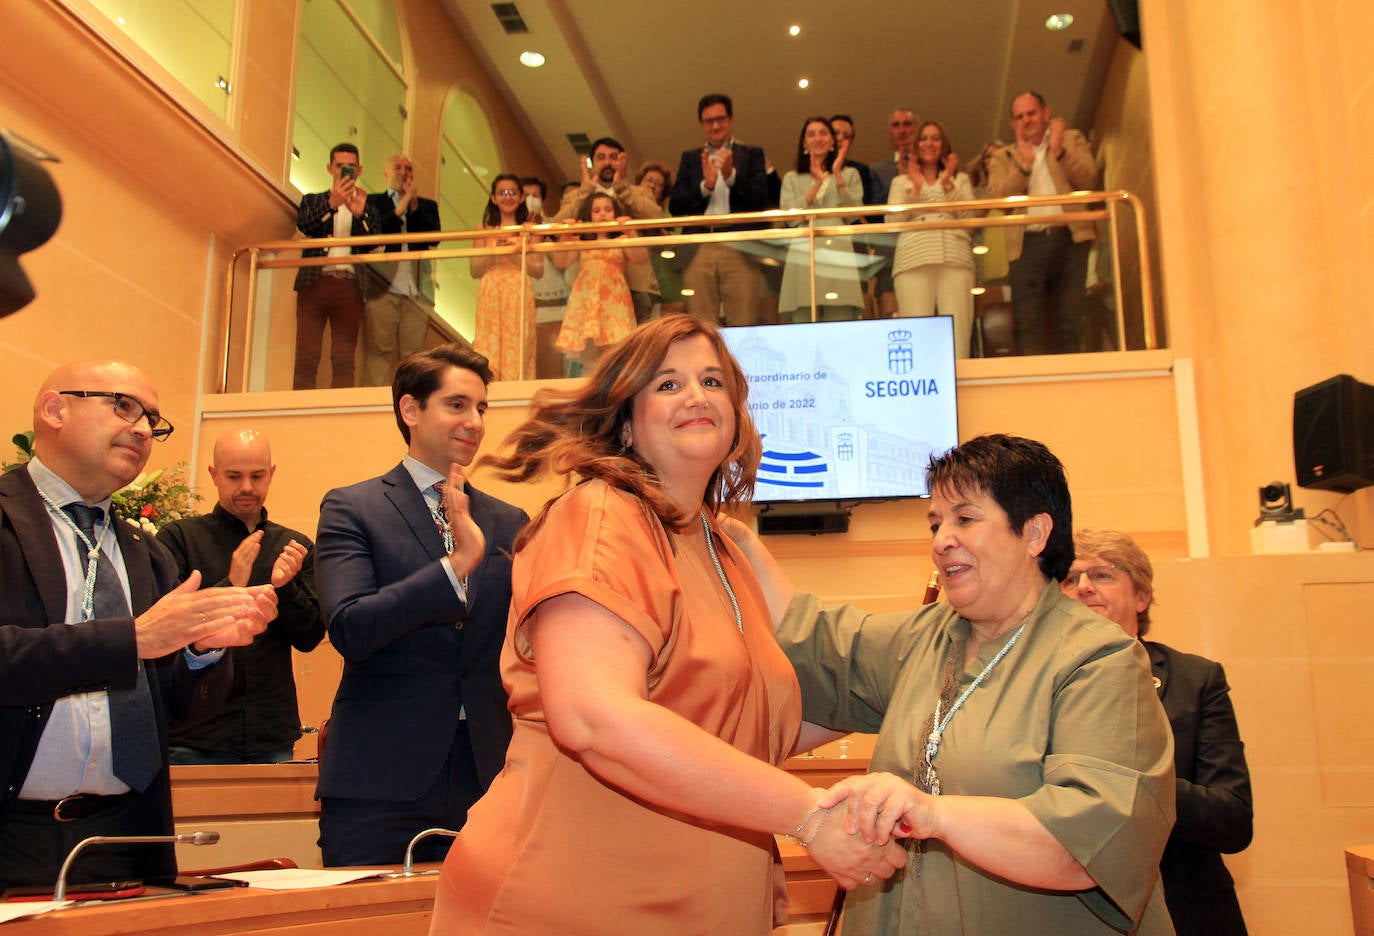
<point x="185" y="838"/>
<point x="408" y="868"/>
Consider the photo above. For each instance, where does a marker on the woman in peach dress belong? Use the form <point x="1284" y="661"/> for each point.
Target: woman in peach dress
<point x="651" y="703"/>
<point x="505" y="299"/>
<point x="600" y="311"/>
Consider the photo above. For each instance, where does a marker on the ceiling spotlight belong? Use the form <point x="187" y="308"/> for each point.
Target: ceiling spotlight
<point x="688" y="292"/>
<point x="832" y="295"/>
<point x="794" y="30"/>
<point x="667" y="254"/>
<point x="980" y="249"/>
<point x="978" y="290"/>
<point x="804" y="83"/>
<point x="531" y="59"/>
<point x="1059" y="22"/>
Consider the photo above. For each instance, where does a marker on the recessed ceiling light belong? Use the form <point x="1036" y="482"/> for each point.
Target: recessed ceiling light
<point x="531" y="59"/>
<point x="667" y="254"/>
<point x="980" y="249"/>
<point x="688" y="292"/>
<point x="804" y="83"/>
<point x="832" y="295"/>
<point x="978" y="290"/>
<point x="794" y="30"/>
<point x="1059" y="22"/>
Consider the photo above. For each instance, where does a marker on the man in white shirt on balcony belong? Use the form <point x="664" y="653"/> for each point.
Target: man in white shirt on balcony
<point x="1049" y="259"/>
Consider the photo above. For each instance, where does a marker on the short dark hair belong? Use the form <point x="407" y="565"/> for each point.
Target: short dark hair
<point x="845" y="117"/>
<point x="611" y="142"/>
<point x="1024" y="478"/>
<point x="535" y="180"/>
<point x="570" y="184"/>
<point x="710" y="100"/>
<point x="420" y="374"/>
<point x="343" y="148"/>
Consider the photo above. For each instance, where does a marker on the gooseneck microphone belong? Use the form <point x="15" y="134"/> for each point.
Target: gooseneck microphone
<point x="408" y="869"/>
<point x="186" y="838"/>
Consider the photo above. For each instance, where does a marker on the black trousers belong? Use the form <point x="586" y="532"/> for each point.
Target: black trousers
<point x="33" y="846"/>
<point x="1049" y="292"/>
<point x="369" y="832"/>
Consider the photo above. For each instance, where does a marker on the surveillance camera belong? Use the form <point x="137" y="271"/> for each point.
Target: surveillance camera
<point x="1276" y="504"/>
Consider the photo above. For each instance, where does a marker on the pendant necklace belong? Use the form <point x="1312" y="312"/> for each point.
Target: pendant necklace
<point x="927" y="777"/>
<point x="720" y="570"/>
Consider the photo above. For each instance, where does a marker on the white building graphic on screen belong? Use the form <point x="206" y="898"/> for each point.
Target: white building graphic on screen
<point x="813" y="447"/>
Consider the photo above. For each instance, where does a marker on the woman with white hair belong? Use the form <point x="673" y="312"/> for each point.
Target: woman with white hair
<point x="1113" y="576"/>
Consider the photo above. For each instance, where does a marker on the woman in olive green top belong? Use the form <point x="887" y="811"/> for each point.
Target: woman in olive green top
<point x="1021" y="749"/>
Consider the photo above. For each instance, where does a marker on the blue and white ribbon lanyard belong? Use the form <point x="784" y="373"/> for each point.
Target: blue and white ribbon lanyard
<point x="92" y="553"/>
<point x="928" y="778"/>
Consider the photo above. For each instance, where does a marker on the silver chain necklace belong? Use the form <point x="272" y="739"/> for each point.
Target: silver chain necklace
<point x="730" y="592"/>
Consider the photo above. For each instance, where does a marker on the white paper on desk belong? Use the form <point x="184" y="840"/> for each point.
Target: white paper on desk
<point x="299" y="878"/>
<point x="13" y="910"/>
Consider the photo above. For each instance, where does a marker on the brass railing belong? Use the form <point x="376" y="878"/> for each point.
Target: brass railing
<point x="781" y="226"/>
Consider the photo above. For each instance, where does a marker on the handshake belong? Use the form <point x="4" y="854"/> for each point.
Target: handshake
<point x="852" y="829"/>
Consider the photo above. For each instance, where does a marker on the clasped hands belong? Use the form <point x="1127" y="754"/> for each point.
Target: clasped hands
<point x="205" y="619"/>
<point x="853" y="836"/>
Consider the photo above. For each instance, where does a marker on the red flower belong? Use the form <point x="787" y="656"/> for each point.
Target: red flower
<point x="148" y="511"/>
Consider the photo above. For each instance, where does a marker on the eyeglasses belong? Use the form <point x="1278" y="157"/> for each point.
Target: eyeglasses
<point x="715" y="120"/>
<point x="129" y="410"/>
<point x="1097" y="575"/>
<point x="506" y="193"/>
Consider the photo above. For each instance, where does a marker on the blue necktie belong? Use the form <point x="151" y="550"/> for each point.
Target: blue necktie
<point x="137" y="751"/>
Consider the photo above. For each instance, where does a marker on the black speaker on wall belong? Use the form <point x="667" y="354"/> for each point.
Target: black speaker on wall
<point x="1333" y="435"/>
<point x="1127" y="16"/>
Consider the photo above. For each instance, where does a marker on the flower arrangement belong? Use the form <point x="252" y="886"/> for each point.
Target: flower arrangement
<point x="148" y="502"/>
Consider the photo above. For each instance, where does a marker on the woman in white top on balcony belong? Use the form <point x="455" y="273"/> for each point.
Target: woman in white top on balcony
<point x="934" y="269"/>
<point x="821" y="180"/>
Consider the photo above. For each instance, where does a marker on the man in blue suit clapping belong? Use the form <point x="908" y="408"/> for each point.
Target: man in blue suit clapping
<point x="417" y="608"/>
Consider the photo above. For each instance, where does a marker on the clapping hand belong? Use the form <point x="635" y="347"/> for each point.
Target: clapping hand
<point x="469" y="545"/>
<point x="947" y="174"/>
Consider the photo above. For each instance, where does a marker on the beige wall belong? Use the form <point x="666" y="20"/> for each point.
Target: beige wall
<point x="1262" y="122"/>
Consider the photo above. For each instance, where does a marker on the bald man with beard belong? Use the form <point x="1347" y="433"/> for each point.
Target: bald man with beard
<point x="72" y="666"/>
<point x="237" y="545"/>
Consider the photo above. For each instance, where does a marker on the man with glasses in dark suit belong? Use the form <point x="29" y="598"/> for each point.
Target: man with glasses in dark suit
<point x="98" y="644"/>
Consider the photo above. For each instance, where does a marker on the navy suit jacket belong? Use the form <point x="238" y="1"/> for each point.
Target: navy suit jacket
<point x="1213" y="785"/>
<point x="413" y="653"/>
<point x="424" y="217"/>
<point x="42" y="659"/>
<point x="749" y="193"/>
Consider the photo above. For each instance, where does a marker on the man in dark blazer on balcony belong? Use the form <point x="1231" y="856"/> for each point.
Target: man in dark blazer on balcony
<point x="722" y="177"/>
<point x="417" y="608"/>
<point x="332" y="294"/>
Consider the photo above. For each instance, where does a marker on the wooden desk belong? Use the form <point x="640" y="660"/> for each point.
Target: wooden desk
<point x="395" y="907"/>
<point x="269" y="810"/>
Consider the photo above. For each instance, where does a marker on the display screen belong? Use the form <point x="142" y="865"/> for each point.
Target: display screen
<point x="848" y="410"/>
